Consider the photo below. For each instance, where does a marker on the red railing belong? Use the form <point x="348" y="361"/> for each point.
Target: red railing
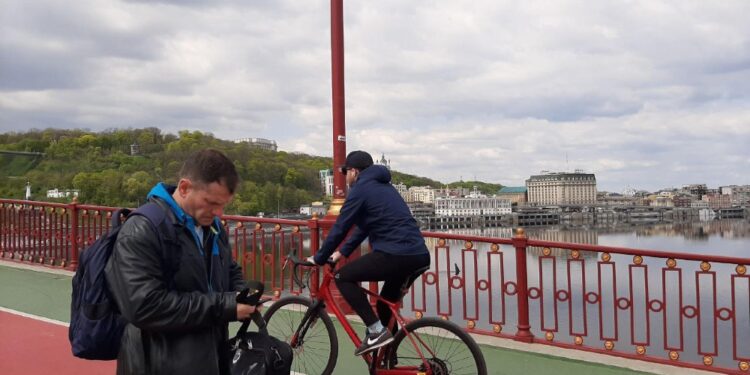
<point x="680" y="309"/>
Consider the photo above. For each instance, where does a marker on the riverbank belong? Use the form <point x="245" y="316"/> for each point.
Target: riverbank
<point x="583" y="215"/>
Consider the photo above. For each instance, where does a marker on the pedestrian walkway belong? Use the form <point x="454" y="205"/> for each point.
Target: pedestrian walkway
<point x="34" y="346"/>
<point x="40" y="342"/>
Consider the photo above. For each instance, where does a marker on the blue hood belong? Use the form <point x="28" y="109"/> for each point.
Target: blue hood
<point x="163" y="193"/>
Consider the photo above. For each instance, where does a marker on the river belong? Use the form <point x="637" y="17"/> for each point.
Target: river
<point x="729" y="237"/>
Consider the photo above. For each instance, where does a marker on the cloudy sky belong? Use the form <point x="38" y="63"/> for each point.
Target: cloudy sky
<point x="645" y="94"/>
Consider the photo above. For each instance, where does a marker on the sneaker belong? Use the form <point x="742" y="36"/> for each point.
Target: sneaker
<point x="374" y="341"/>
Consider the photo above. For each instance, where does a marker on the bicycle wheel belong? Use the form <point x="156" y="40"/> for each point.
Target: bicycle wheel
<point x="317" y="351"/>
<point x="445" y="346"/>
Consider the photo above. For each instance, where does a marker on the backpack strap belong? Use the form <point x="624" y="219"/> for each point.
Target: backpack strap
<point x="164" y="228"/>
<point x="157" y="216"/>
<point x="116" y="219"/>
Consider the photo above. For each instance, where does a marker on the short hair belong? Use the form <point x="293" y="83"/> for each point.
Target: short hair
<point x="209" y="165"/>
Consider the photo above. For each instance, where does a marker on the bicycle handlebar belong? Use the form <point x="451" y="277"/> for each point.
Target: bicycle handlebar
<point x="304" y="263"/>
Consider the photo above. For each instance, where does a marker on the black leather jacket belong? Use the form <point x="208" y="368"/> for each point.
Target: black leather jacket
<point x="176" y="326"/>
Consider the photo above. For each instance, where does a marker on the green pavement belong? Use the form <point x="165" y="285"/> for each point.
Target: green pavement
<point x="48" y="295"/>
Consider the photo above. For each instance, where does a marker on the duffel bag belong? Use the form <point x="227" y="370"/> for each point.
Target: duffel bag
<point x="258" y="353"/>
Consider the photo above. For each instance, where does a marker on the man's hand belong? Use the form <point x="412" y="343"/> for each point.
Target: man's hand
<point x="244" y="311"/>
<point x="335" y="256"/>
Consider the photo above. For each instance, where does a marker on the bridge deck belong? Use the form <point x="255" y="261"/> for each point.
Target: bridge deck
<point x="46" y="295"/>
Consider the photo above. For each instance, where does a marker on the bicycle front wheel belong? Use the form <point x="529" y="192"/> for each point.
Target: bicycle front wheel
<point x="315" y="350"/>
<point x="445" y="346"/>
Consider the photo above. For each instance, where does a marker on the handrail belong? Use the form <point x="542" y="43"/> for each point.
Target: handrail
<point x="641" y="252"/>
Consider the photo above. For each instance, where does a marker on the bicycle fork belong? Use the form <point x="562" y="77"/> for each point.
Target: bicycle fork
<point x="309" y="320"/>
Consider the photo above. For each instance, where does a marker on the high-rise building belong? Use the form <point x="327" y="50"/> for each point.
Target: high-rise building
<point x="562" y="188"/>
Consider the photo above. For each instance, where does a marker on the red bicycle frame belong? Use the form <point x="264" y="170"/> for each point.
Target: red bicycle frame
<point x="324" y="295"/>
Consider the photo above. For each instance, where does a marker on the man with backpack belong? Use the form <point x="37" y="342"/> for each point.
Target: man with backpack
<point x="179" y="294"/>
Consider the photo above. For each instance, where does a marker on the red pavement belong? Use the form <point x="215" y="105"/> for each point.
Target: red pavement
<point x="29" y="346"/>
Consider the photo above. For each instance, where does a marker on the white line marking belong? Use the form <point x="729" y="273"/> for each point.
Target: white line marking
<point x="35" y="317"/>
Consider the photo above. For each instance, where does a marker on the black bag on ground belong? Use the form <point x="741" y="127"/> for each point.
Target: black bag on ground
<point x="258" y="353"/>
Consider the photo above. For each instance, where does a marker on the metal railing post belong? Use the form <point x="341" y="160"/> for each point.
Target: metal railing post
<point x="314" y="246"/>
<point x="524" y="333"/>
<point x="73" y="234"/>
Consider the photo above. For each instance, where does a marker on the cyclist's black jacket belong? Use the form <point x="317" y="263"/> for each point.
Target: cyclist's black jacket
<point x="177" y="326"/>
<point x="380" y="213"/>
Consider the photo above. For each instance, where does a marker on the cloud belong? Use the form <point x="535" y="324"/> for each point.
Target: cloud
<point x="643" y="94"/>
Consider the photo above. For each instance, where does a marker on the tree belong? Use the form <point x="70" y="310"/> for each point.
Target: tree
<point x="86" y="184"/>
<point x="137" y="186"/>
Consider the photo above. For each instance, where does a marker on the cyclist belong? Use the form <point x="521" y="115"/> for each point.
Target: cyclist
<point x="376" y="210"/>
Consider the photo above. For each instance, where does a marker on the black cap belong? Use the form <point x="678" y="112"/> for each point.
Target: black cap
<point x="357" y="159"/>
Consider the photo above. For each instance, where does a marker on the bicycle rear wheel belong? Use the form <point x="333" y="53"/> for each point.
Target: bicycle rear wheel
<point x="445" y="346"/>
<point x="317" y="351"/>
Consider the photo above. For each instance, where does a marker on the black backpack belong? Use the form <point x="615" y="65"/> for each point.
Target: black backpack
<point x="96" y="326"/>
<point x="258" y="353"/>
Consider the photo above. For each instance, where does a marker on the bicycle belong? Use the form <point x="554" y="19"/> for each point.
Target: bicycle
<point x="425" y="346"/>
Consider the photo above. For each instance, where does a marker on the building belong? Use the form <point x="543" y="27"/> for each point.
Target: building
<point x="135" y="149"/>
<point x="326" y="181"/>
<point x="717" y="201"/>
<point x="56" y="193"/>
<point x="516" y="194"/>
<point x="262" y="143"/>
<point x="424" y="194"/>
<point x="447" y="192"/>
<point x="699" y="204"/>
<point x="682" y="200"/>
<point x="614" y="200"/>
<point x="421" y="211"/>
<point x="314" y="208"/>
<point x="697" y="190"/>
<point x="402" y="190"/>
<point x="472" y="206"/>
<point x="660" y="200"/>
<point x="383" y="162"/>
<point x="740" y="195"/>
<point x="562" y="188"/>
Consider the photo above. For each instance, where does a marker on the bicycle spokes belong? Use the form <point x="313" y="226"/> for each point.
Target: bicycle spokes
<point x="437" y="349"/>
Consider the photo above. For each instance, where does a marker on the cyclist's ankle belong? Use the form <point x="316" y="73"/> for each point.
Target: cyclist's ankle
<point x="376" y="327"/>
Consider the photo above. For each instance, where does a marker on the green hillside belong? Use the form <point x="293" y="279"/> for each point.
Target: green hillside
<point x="100" y="166"/>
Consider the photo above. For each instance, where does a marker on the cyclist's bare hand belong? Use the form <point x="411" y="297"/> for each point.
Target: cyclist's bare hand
<point x="335" y="256"/>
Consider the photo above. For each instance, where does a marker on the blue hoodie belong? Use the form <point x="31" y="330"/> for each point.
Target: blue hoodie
<point x="379" y="212"/>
